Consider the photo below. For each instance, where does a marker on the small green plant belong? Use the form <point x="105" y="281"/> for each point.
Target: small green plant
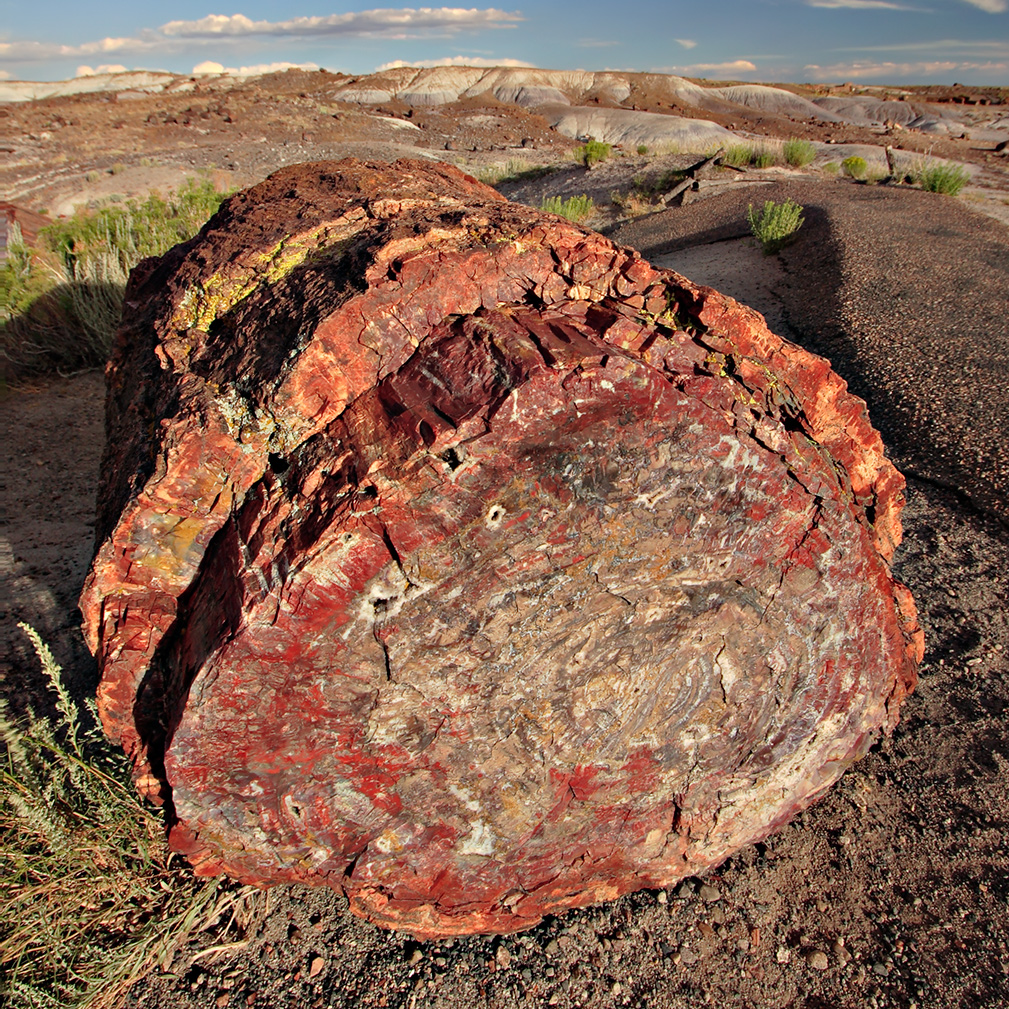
<point x="642" y="148"/>
<point x="743" y="155"/>
<point x="593" y="152"/>
<point x="62" y="300"/>
<point x="91" y="897"/>
<point x="775" y="225"/>
<point x="941" y="177"/>
<point x="798" y="153"/>
<point x="117" y="169"/>
<point x="831" y="168"/>
<point x="574" y="208"/>
<point x="738" y="155"/>
<point x="854" y="167"/>
<point x="93" y="175"/>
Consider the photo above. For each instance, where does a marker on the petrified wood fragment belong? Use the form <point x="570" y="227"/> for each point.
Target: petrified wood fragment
<point x="455" y="557"/>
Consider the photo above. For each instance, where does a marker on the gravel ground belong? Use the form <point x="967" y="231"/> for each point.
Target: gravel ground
<point x="894" y="889"/>
<point x="905" y="292"/>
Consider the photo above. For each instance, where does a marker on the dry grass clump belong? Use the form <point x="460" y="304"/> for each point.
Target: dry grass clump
<point x="513" y="170"/>
<point x="91" y="898"/>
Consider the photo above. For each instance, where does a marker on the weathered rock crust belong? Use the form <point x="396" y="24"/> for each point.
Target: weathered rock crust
<point x="454" y="557"/>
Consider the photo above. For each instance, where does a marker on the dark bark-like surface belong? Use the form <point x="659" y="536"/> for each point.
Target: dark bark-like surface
<point x="455" y="557"/>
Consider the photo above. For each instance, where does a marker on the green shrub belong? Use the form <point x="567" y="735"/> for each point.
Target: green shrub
<point x="941" y="177"/>
<point x="743" y="155"/>
<point x="64" y="298"/>
<point x="775" y="224"/>
<point x="593" y="152"/>
<point x="854" y="167"/>
<point x="798" y="153"/>
<point x="738" y="155"/>
<point x="831" y="168"/>
<point x="92" y="176"/>
<point x="642" y="148"/>
<point x="574" y="208"/>
<point x="91" y="898"/>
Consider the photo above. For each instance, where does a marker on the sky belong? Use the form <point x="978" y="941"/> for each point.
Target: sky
<point x="864" y="41"/>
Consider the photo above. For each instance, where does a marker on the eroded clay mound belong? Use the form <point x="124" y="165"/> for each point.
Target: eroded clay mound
<point x="458" y="558"/>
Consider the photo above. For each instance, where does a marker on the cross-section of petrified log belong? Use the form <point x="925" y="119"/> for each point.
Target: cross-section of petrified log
<point x="455" y="557"/>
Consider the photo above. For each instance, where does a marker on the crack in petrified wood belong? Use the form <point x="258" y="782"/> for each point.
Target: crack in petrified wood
<point x="468" y="563"/>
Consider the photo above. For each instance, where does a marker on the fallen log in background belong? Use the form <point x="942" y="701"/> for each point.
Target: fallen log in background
<point x="454" y="557"/>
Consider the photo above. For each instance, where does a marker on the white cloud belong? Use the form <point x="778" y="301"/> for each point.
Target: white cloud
<point x="212" y="67"/>
<point x="102" y="68"/>
<point x="404" y="23"/>
<point x="991" y="6"/>
<point x="733" y="66"/>
<point x="862" y="5"/>
<point x="686" y="43"/>
<point x="949" y="47"/>
<point x="888" y="71"/>
<point x="4" y="75"/>
<point x="455" y="61"/>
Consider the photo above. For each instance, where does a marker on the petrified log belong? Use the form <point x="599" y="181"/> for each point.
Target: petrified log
<point x="454" y="557"/>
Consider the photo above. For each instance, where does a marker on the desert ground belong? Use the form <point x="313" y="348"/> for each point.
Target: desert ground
<point x="893" y="890"/>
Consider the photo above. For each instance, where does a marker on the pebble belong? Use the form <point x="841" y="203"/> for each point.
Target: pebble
<point x="663" y="897"/>
<point x="504" y="957"/>
<point x="840" y="951"/>
<point x="783" y="955"/>
<point x="553" y="948"/>
<point x="881" y="969"/>
<point x="708" y="893"/>
<point x="816" y="959"/>
<point x="415" y="957"/>
<point x="315" y="966"/>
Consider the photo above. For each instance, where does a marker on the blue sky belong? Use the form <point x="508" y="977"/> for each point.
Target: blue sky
<point x="868" y="41"/>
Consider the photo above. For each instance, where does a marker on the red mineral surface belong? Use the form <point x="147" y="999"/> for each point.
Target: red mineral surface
<point x="456" y="558"/>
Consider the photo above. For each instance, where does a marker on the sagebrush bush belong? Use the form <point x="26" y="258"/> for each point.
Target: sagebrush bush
<point x="63" y="299"/>
<point x="592" y="152"/>
<point x="941" y="177"/>
<point x="798" y="153"/>
<point x="91" y="897"/>
<point x="854" y="167"/>
<point x="775" y="225"/>
<point x="574" y="208"/>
